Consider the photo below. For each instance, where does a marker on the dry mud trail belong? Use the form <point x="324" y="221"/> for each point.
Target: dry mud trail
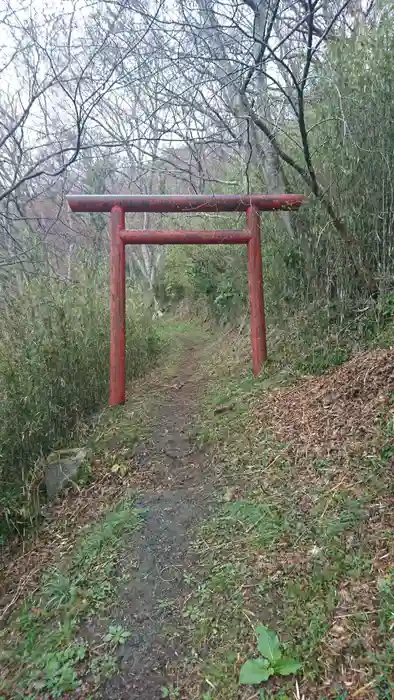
<point x="156" y="561"/>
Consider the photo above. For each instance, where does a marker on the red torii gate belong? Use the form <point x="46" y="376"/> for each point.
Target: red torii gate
<point x="117" y="205"/>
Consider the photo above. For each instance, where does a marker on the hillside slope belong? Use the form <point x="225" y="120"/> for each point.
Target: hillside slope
<point x="218" y="502"/>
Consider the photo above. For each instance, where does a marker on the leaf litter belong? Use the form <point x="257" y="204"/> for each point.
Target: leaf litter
<point x="321" y="415"/>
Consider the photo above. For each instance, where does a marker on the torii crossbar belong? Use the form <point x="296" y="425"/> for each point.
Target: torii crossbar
<point x="118" y="205"/>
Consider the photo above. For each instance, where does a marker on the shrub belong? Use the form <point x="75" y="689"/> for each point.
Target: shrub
<point x="54" y="365"/>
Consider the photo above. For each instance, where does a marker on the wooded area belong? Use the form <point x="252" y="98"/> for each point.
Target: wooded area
<point x="225" y="534"/>
<point x="200" y="97"/>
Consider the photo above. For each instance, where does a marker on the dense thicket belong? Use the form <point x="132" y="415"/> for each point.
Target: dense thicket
<point x="54" y="367"/>
<point x="350" y="118"/>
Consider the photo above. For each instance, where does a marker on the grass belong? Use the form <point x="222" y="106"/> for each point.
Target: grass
<point x="54" y="367"/>
<point x="300" y="544"/>
<point x="46" y="651"/>
<point x="104" y="475"/>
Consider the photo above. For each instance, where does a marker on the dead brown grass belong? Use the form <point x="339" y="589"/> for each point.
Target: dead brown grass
<point x="314" y="453"/>
<point x="322" y="415"/>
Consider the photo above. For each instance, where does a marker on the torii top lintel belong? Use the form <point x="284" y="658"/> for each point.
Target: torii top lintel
<point x="184" y="202"/>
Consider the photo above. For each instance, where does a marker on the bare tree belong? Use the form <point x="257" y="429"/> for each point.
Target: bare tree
<point x="56" y="70"/>
<point x="177" y="91"/>
<point x="244" y="75"/>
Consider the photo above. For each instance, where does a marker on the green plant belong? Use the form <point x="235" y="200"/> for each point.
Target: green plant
<point x="386" y="602"/>
<point x="57" y="670"/>
<point x="169" y="692"/>
<point x="268" y="695"/>
<point x="44" y="632"/>
<point x="102" y="667"/>
<point x="54" y="363"/>
<point x="116" y="635"/>
<point x="272" y="662"/>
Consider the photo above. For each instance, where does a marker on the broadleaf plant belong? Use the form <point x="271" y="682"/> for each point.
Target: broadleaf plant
<point x="272" y="662"/>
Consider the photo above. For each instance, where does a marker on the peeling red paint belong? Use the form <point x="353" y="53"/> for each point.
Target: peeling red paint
<point x="117" y="205"/>
<point x="256" y="295"/>
<point x="184" y="202"/>
<point x="117" y="373"/>
<point x="185" y="237"/>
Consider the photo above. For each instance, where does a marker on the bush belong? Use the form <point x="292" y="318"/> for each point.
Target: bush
<point x="54" y="366"/>
<point x="213" y="278"/>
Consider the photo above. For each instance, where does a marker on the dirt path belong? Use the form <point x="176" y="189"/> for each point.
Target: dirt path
<point x="156" y="562"/>
<point x="257" y="531"/>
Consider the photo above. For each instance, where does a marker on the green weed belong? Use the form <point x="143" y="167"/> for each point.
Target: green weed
<point x="54" y="364"/>
<point x="43" y="647"/>
<point x="271" y="661"/>
<point x="293" y="543"/>
<point x="102" y="667"/>
<point x="116" y="636"/>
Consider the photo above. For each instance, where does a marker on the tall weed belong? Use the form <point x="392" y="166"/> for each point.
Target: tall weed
<point x="54" y="364"/>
